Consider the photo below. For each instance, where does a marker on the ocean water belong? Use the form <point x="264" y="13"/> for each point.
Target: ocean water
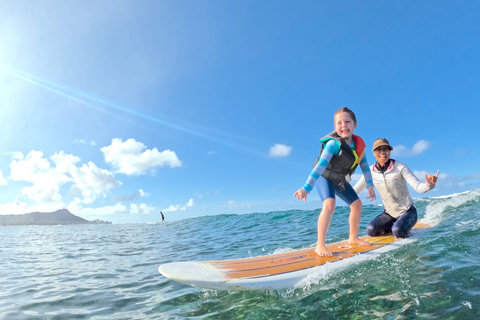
<point x="110" y="271"/>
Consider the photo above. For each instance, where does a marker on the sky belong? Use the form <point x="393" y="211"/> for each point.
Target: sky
<point x="117" y="110"/>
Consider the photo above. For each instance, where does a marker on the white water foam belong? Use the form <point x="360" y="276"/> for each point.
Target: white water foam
<point x="435" y="209"/>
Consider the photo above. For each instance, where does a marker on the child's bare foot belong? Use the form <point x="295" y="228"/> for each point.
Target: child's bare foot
<point x="322" y="251"/>
<point x="358" y="241"/>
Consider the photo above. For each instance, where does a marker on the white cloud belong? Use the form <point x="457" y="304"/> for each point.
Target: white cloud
<point x="18" y="207"/>
<point x="131" y="158"/>
<point x="15" y="207"/>
<point x="64" y="162"/>
<point x="92" y="181"/>
<point x="92" y="213"/>
<point x="48" y="175"/>
<point x="15" y="155"/>
<point x="280" y="150"/>
<point x="141" y="209"/>
<point x="139" y="194"/>
<point x="3" y="181"/>
<point x="80" y="141"/>
<point x="46" y="180"/>
<point x="76" y="208"/>
<point x="418" y="148"/>
<point x="177" y="207"/>
<point x="88" y="180"/>
<point x="29" y="167"/>
<point x="232" y="204"/>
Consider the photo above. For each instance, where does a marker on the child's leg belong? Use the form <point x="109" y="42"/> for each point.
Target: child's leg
<point x="323" y="223"/>
<point x="327" y="194"/>
<point x="350" y="197"/>
<point x="355" y="216"/>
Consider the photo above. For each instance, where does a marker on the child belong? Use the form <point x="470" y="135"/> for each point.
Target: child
<point x="341" y="153"/>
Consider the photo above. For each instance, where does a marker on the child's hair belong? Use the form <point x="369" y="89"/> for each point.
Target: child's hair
<point x="350" y="112"/>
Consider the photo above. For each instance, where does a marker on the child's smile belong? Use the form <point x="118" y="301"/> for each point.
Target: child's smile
<point x="344" y="126"/>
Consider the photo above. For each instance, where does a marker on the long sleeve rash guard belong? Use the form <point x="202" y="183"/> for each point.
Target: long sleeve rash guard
<point x="330" y="150"/>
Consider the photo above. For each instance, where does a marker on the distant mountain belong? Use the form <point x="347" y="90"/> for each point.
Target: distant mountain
<point x="46" y="218"/>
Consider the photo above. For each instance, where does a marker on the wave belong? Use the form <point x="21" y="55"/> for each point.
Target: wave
<point x="434" y="208"/>
<point x="439" y="206"/>
<point x="255" y="234"/>
<point x="451" y="195"/>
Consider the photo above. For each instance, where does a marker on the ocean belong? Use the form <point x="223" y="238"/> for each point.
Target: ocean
<point x="110" y="271"/>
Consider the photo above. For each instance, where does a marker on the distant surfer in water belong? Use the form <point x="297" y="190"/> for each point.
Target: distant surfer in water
<point x="390" y="177"/>
<point x="341" y="153"/>
<point x="163" y="217"/>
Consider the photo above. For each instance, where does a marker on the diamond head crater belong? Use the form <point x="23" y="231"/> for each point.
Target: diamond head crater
<point x="59" y="217"/>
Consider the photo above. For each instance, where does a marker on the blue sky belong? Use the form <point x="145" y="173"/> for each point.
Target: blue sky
<point x="119" y="109"/>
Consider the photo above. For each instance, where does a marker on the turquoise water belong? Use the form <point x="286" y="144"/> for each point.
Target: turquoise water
<point x="110" y="271"/>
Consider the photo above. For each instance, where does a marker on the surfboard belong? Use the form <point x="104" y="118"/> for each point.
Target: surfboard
<point x="284" y="270"/>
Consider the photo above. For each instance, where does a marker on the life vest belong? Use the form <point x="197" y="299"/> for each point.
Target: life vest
<point x="343" y="165"/>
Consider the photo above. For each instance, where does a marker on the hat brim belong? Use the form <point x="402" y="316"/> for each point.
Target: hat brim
<point x="383" y="145"/>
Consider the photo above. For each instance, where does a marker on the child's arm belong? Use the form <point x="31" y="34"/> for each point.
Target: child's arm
<point x="330" y="149"/>
<point x="366" y="171"/>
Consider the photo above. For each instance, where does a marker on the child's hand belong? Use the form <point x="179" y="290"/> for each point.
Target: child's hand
<point x="371" y="194"/>
<point x="301" y="194"/>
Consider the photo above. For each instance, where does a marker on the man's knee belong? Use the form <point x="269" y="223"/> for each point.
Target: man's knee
<point x="371" y="230"/>
<point x="400" y="232"/>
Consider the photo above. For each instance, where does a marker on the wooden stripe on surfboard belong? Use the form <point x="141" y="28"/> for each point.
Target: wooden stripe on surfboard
<point x="298" y="260"/>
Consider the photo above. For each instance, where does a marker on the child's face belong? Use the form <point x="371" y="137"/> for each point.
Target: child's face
<point x="344" y="125"/>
